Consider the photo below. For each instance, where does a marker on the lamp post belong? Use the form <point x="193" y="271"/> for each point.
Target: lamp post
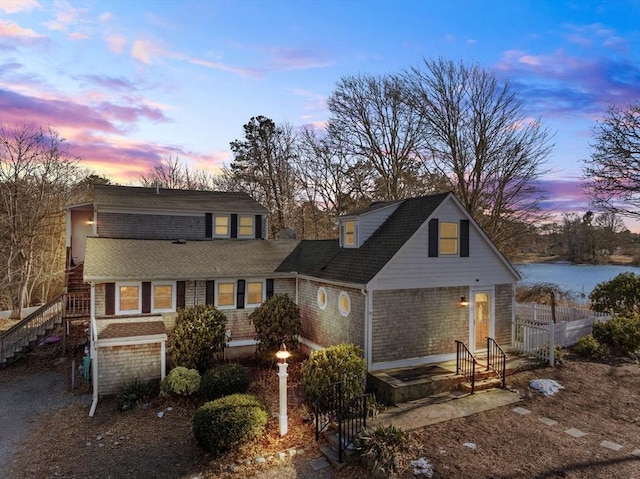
<point x="282" y="355"/>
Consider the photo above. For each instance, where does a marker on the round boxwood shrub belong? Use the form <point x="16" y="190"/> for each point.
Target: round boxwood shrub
<point x="277" y="321"/>
<point x="180" y="381"/>
<point x="344" y="363"/>
<point x="218" y="425"/>
<point x="225" y="379"/>
<point x="199" y="337"/>
<point x="620" y="333"/>
<point x="589" y="347"/>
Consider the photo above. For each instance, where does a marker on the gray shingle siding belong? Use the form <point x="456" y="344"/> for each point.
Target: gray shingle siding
<point x="148" y="226"/>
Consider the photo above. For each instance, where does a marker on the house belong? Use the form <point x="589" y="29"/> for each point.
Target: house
<point x="404" y="280"/>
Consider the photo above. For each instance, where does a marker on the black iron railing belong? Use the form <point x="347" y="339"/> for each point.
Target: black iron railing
<point x="351" y="420"/>
<point x="497" y="360"/>
<point x="327" y="406"/>
<point x="466" y="364"/>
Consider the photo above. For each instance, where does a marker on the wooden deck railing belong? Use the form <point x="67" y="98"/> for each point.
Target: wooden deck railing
<point x="27" y="330"/>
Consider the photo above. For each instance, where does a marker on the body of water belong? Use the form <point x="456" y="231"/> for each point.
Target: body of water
<point x="580" y="279"/>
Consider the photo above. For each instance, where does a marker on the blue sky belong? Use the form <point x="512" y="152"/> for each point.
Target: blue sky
<point x="130" y="82"/>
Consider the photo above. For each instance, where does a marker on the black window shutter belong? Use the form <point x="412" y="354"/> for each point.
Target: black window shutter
<point x="240" y="294"/>
<point x="269" y="288"/>
<point x="210" y="291"/>
<point x="464" y="238"/>
<point x="208" y="225"/>
<point x="258" y="226"/>
<point x="234" y="226"/>
<point x="433" y="238"/>
<point x="110" y="299"/>
<point x="180" y="294"/>
<point x="146" y="297"/>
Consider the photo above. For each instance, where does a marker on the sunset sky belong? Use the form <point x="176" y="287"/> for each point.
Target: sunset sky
<point x="128" y="83"/>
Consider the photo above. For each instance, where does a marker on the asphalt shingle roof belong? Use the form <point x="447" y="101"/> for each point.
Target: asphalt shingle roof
<point x="326" y="260"/>
<point x="109" y="259"/>
<point x="166" y="199"/>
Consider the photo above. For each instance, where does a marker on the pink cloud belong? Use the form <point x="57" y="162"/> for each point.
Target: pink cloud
<point x="65" y="16"/>
<point x="145" y="50"/>
<point x="251" y="73"/>
<point x="116" y="43"/>
<point x="297" y="58"/>
<point x="19" y="35"/>
<point x="15" y="6"/>
<point x="78" y="36"/>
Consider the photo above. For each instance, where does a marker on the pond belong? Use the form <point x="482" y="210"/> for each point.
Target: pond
<point x="577" y="278"/>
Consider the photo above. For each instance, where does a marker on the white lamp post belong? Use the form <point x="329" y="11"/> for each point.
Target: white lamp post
<point x="282" y="355"/>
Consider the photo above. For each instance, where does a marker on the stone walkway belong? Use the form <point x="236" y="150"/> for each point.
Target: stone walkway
<point x="577" y="433"/>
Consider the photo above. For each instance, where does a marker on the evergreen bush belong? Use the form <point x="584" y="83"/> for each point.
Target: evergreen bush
<point x="180" y="382"/>
<point x="277" y="321"/>
<point x="225" y="379"/>
<point x="589" y="347"/>
<point x="344" y="363"/>
<point x="228" y="421"/>
<point x="620" y="333"/>
<point x="199" y="337"/>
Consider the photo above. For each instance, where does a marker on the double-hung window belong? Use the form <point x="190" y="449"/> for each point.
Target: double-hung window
<point x="128" y="298"/>
<point x="221" y="226"/>
<point x="349" y="234"/>
<point x="163" y="297"/>
<point x="448" y="238"/>
<point x="255" y="294"/>
<point x="245" y="226"/>
<point x="226" y="295"/>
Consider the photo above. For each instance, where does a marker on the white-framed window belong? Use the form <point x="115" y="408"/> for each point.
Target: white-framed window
<point x="245" y="226"/>
<point x="225" y="294"/>
<point x="344" y="303"/>
<point x="163" y="297"/>
<point x="221" y="226"/>
<point x="448" y="238"/>
<point x="129" y="298"/>
<point x="322" y="297"/>
<point x="349" y="233"/>
<point x="255" y="293"/>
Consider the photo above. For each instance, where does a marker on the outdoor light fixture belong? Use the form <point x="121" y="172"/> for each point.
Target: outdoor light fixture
<point x="283" y="355"/>
<point x="463" y="301"/>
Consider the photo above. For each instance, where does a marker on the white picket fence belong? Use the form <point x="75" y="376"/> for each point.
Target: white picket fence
<point x="535" y="333"/>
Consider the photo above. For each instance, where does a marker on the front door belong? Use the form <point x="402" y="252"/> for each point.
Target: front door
<point x="482" y="318"/>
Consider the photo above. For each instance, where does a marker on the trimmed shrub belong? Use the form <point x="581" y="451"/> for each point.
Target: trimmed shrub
<point x="134" y="393"/>
<point x="224" y="380"/>
<point x="618" y="296"/>
<point x="277" y="321"/>
<point x="621" y="333"/>
<point x="589" y="347"/>
<point x="180" y="382"/>
<point x="199" y="337"/>
<point x="218" y="425"/>
<point x="377" y="450"/>
<point x="344" y="362"/>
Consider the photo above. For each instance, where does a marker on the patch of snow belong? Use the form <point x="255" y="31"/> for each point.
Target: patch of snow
<point x="160" y="414"/>
<point x="470" y="445"/>
<point x="548" y="387"/>
<point x="422" y="467"/>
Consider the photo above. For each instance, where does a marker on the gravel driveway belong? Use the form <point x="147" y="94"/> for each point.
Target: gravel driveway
<point x="24" y="398"/>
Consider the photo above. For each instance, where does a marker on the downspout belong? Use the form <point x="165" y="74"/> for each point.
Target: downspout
<point x="94" y="351"/>
<point x="368" y="327"/>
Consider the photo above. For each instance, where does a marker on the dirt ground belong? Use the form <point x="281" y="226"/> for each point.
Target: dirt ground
<point x="600" y="399"/>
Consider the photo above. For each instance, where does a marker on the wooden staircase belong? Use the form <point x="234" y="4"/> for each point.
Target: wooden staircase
<point x="31" y="330"/>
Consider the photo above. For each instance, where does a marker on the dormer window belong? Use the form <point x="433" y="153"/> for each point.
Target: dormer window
<point x="221" y="226"/>
<point x="245" y="226"/>
<point x="349" y="239"/>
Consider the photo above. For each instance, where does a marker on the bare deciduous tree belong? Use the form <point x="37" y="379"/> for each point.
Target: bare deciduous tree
<point x="613" y="172"/>
<point x="174" y="174"/>
<point x="479" y="138"/>
<point x="374" y="123"/>
<point x="36" y="175"/>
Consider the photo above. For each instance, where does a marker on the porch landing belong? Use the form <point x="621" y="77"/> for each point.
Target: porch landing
<point x="437" y="380"/>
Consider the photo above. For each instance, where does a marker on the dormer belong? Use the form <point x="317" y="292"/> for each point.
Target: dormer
<point x="356" y="227"/>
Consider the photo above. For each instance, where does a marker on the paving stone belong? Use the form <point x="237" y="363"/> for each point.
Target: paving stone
<point x="520" y="410"/>
<point x="547" y="421"/>
<point x="611" y="445"/>
<point x="636" y="452"/>
<point x="573" y="432"/>
<point x="319" y="463"/>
